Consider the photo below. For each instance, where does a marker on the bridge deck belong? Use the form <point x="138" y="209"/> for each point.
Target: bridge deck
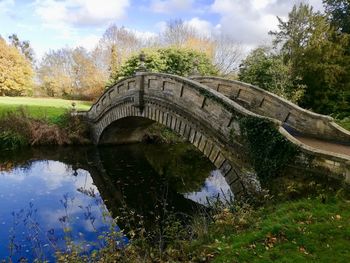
<point x="324" y="145"/>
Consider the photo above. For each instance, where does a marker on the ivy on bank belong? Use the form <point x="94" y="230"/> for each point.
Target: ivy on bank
<point x="268" y="149"/>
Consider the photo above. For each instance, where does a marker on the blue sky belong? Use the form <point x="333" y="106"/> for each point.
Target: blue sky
<point x="52" y="24"/>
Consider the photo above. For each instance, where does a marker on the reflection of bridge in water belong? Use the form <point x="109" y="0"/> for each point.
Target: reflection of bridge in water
<point x="134" y="177"/>
<point x="207" y="111"/>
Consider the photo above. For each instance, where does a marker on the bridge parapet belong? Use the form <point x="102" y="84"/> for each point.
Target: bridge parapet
<point x="293" y="117"/>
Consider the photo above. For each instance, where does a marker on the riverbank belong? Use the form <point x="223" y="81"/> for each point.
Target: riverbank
<point x="26" y="121"/>
<point x="20" y="128"/>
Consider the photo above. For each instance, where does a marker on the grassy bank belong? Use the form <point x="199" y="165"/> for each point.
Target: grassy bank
<point x="306" y="230"/>
<point x="40" y="107"/>
<point x="40" y="121"/>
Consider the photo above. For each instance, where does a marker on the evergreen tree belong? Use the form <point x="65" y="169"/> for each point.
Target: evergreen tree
<point x="319" y="59"/>
<point x="268" y="71"/>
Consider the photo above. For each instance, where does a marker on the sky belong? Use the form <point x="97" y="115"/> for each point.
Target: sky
<point x="53" y="24"/>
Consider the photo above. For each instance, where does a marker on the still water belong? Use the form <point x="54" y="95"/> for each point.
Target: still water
<point x="52" y="198"/>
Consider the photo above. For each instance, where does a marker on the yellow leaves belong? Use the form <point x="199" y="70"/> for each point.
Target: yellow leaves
<point x="203" y="45"/>
<point x="71" y="72"/>
<point x="15" y="71"/>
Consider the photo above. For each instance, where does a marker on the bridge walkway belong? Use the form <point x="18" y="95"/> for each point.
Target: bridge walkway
<point x="324" y="145"/>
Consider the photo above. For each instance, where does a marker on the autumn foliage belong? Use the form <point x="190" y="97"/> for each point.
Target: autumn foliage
<point x="16" y="74"/>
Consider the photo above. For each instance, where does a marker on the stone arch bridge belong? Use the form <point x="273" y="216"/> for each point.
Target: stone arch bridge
<point x="206" y="111"/>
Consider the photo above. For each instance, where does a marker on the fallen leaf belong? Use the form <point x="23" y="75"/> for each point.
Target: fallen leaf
<point x="303" y="250"/>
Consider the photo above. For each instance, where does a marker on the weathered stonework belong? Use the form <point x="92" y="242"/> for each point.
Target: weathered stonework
<point x="207" y="118"/>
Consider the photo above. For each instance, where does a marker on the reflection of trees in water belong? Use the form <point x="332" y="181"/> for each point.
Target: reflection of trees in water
<point x="183" y="165"/>
<point x="10" y="160"/>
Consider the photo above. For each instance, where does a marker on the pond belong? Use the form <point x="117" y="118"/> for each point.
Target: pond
<point x="51" y="199"/>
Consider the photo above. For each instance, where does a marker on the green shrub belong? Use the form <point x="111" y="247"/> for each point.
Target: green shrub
<point x="177" y="61"/>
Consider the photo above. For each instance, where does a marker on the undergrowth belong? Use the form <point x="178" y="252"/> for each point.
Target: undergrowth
<point x="18" y="129"/>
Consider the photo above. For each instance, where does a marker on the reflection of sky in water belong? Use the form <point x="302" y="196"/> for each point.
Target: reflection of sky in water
<point x="38" y="202"/>
<point x="215" y="186"/>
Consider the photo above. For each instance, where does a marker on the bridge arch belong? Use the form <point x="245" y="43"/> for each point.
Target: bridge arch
<point x="204" y="117"/>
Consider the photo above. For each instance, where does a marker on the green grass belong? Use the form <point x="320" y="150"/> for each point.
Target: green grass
<point x="40" y="107"/>
<point x="306" y="230"/>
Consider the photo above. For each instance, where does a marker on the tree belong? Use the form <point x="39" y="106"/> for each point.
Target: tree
<point x="268" y="71"/>
<point x="23" y="47"/>
<point x="221" y="49"/>
<point x="116" y="45"/>
<point x="318" y="57"/>
<point x="338" y="13"/>
<point x="182" y="62"/>
<point x="71" y="73"/>
<point x="294" y="34"/>
<point x="16" y="74"/>
<point x="177" y="34"/>
<point x="88" y="82"/>
<point x="54" y="72"/>
<point x="227" y="53"/>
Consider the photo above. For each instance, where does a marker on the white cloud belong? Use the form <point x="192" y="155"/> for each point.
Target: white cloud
<point x="171" y="6"/>
<point x="6" y="5"/>
<point x="81" y="12"/>
<point x="214" y="185"/>
<point x="203" y="27"/>
<point x="66" y="17"/>
<point x="144" y="35"/>
<point x="89" y="42"/>
<point x="249" y="21"/>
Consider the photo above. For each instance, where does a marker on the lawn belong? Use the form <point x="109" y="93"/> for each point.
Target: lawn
<point x="307" y="230"/>
<point x="40" y="107"/>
